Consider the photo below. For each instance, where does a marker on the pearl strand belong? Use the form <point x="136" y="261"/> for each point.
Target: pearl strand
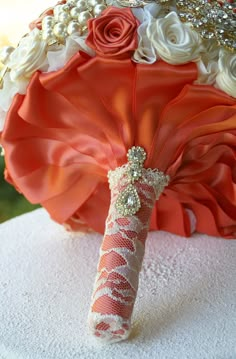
<point x="70" y="18"/>
<point x="67" y="19"/>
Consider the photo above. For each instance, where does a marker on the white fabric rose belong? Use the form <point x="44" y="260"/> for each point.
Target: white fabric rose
<point x="206" y="73"/>
<point x="28" y="57"/>
<point x="226" y="78"/>
<point x="31" y="55"/>
<point x="208" y="64"/>
<point x="145" y="52"/>
<point x="7" y="93"/>
<point x="175" y="42"/>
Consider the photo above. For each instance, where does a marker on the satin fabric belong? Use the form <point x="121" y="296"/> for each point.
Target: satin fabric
<point x="74" y="125"/>
<point x="114" y="33"/>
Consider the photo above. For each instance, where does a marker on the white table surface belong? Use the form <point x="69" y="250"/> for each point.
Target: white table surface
<point x="186" y="305"/>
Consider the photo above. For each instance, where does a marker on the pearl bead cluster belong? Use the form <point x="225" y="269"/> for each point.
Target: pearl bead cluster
<point x="70" y="18"/>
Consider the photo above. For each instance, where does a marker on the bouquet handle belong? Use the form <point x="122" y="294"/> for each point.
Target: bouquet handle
<point x="134" y="191"/>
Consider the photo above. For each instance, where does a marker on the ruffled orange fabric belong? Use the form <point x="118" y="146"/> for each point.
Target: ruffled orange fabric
<point x="75" y="124"/>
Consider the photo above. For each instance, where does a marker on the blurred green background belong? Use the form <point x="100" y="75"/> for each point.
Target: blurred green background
<point x="12" y="203"/>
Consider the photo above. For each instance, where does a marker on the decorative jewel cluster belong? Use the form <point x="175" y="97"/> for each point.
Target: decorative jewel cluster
<point x="136" y="157"/>
<point x="70" y="18"/>
<point x="128" y="202"/>
<point x="212" y="19"/>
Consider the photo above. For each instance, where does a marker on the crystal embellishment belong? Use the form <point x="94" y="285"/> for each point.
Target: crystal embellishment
<point x="128" y="202"/>
<point x="213" y="19"/>
<point x="126" y="177"/>
<point x="136" y="155"/>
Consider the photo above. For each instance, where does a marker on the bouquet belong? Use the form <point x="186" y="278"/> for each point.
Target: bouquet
<point x="120" y="117"/>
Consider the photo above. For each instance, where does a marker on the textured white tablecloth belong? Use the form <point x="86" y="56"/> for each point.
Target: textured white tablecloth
<point x="186" y="305"/>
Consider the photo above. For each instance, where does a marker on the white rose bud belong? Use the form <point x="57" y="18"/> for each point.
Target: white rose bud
<point x="145" y="53"/>
<point x="28" y="57"/>
<point x="207" y="72"/>
<point x="226" y="78"/>
<point x="175" y="42"/>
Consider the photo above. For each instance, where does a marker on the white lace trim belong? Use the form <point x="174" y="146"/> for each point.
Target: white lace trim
<point x="153" y="177"/>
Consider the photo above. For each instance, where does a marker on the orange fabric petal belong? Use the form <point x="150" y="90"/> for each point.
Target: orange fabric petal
<point x="75" y="124"/>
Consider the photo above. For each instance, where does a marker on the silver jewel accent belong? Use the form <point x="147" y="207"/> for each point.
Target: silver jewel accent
<point x="136" y="155"/>
<point x="125" y="178"/>
<point x="208" y="17"/>
<point x="213" y="19"/>
<point x="128" y="202"/>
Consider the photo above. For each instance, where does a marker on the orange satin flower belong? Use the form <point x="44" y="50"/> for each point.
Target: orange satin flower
<point x="114" y="33"/>
<point x="75" y="124"/>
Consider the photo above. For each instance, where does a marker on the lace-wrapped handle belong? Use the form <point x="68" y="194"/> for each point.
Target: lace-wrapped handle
<point x="122" y="250"/>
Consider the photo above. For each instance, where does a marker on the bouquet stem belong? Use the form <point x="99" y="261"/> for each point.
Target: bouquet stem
<point x="122" y="252"/>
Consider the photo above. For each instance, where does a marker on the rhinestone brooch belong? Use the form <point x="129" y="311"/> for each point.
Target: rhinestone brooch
<point x="125" y="178"/>
<point x="212" y="19"/>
